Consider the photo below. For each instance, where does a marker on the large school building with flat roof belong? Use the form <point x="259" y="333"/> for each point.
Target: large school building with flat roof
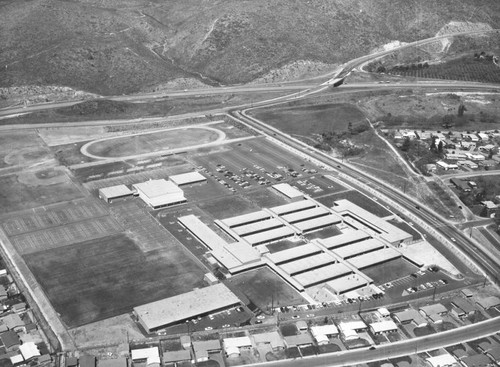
<point x="334" y="263"/>
<point x="169" y="311"/>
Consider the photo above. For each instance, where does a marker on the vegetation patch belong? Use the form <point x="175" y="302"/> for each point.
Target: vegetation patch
<point x="311" y="121"/>
<point x="390" y="270"/>
<point x="92" y="280"/>
<point x="264" y="288"/>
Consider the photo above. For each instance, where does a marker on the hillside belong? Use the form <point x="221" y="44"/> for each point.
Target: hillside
<point x="114" y="47"/>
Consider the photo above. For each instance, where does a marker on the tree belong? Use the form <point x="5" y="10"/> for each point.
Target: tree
<point x="461" y="110"/>
<point x="433" y="144"/>
<point x="406" y="145"/>
<point x="440" y="146"/>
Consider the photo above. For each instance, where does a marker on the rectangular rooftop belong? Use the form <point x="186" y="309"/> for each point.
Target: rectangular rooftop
<point x="293" y="253"/>
<point x="175" y="309"/>
<point x="246" y="218"/>
<point x="346" y="238"/>
<point x="305" y="214"/>
<point x="293" y="207"/>
<point x="374" y="258"/>
<point x="269" y="236"/>
<point x="346" y="252"/>
<point x="317" y="223"/>
<point x="322" y="275"/>
<point x="307" y="263"/>
<point x="256" y="227"/>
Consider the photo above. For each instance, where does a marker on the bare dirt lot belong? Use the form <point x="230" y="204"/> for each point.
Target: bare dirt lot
<point x="310" y="120"/>
<point x="16" y="195"/>
<point x="91" y="280"/>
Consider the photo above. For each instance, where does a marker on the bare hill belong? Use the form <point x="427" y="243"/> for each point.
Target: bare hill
<point x="113" y="47"/>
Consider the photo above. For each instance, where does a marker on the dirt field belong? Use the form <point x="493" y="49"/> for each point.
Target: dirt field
<point x="64" y="235"/>
<point x="91" y="280"/>
<point x="152" y="142"/>
<point x="55" y="216"/>
<point x="19" y="148"/>
<point x="262" y="286"/>
<point x="308" y="120"/>
<point x="142" y="227"/>
<point x="227" y="207"/>
<point x="16" y="195"/>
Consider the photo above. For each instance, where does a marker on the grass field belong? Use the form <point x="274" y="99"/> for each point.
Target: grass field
<point x="92" y="280"/>
<point x="152" y="142"/>
<point x="357" y="198"/>
<point x="18" y="196"/>
<point x="226" y="207"/>
<point x="263" y="286"/>
<point x="390" y="270"/>
<point x="265" y="198"/>
<point x="308" y="120"/>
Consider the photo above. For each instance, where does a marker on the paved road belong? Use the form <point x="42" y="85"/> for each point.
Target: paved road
<point x="482" y="257"/>
<point x="396" y="349"/>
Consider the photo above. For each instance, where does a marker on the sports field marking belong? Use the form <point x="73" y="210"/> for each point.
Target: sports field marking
<point x="175" y="139"/>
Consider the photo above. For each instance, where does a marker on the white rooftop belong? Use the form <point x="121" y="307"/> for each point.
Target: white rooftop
<point x="444" y="360"/>
<point x="358" y="248"/>
<point x="293" y="207"/>
<point x="306" y="263"/>
<point x="115" y="191"/>
<point x="156" y="188"/>
<point x="29" y="350"/>
<point x="320" y="222"/>
<point x="373" y="258"/>
<point x="246" y="218"/>
<point x="383" y="326"/>
<point x="352" y="325"/>
<point x="344" y="239"/>
<point x="237" y="342"/>
<point x="200" y="230"/>
<point x="305" y="214"/>
<point x="152" y="355"/>
<point x="159" y="192"/>
<point x="270" y="235"/>
<point x="257" y="226"/>
<point x="288" y="190"/>
<point x="293" y="253"/>
<point x="187" y="178"/>
<point x="388" y="232"/>
<point x="184" y="306"/>
<point x="322" y="274"/>
<point x="243" y="251"/>
<point x="324" y="330"/>
<point x="347" y="283"/>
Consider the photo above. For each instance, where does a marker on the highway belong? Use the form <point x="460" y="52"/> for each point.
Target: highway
<point x="484" y="259"/>
<point x="396" y="349"/>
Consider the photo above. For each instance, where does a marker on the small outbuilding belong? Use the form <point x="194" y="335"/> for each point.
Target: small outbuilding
<point x="108" y="194"/>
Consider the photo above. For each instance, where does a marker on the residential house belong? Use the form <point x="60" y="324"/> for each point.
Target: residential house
<point x="10" y="340"/>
